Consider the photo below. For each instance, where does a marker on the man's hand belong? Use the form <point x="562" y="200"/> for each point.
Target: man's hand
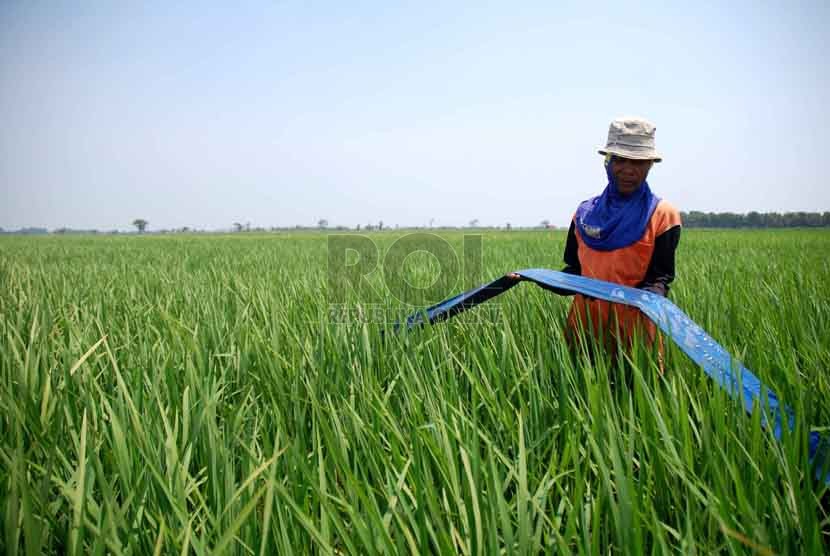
<point x="514" y="276"/>
<point x="657" y="289"/>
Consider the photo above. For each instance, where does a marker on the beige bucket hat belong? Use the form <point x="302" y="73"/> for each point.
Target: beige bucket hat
<point x="631" y="137"/>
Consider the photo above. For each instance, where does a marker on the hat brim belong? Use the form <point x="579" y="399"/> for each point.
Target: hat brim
<point x="653" y="156"/>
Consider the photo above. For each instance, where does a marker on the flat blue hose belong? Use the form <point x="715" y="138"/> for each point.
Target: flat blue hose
<point x="729" y="374"/>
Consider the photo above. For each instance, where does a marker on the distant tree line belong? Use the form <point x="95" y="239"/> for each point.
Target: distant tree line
<point x="26" y="231"/>
<point x="693" y="219"/>
<point x="697" y="219"/>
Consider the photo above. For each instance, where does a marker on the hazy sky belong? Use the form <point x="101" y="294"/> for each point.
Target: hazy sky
<point x="283" y="113"/>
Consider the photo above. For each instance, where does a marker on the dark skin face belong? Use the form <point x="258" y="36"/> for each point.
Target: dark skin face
<point x="629" y="173"/>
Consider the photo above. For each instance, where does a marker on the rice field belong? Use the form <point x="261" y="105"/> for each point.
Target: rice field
<point x="198" y="395"/>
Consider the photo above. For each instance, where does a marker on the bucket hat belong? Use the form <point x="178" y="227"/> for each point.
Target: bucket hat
<point x="631" y="137"/>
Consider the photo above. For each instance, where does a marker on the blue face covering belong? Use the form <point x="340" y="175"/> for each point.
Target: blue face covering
<point x="612" y="220"/>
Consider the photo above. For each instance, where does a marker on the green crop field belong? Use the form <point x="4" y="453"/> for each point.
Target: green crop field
<point x="197" y="395"/>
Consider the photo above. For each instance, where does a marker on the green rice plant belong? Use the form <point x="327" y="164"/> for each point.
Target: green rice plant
<point x="195" y="394"/>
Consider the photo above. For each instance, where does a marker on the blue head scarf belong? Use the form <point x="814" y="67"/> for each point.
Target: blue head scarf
<point x="612" y="220"/>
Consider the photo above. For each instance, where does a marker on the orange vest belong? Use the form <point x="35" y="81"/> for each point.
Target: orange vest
<point x="628" y="266"/>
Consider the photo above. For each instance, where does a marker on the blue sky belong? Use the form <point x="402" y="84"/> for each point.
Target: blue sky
<point x="283" y="113"/>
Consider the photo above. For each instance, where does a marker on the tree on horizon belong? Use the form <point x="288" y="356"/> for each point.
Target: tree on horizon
<point x="140" y="224"/>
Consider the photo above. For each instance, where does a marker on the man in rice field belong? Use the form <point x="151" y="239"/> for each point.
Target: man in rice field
<point x="625" y="235"/>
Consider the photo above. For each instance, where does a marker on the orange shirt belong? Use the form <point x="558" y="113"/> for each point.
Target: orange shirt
<point x="626" y="265"/>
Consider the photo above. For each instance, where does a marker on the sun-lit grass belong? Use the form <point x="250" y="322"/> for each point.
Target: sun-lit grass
<point x="172" y="395"/>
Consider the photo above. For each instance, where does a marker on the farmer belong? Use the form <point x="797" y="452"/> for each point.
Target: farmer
<point x="625" y="235"/>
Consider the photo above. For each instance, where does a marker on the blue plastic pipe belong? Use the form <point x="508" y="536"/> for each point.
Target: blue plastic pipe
<point x="729" y="374"/>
